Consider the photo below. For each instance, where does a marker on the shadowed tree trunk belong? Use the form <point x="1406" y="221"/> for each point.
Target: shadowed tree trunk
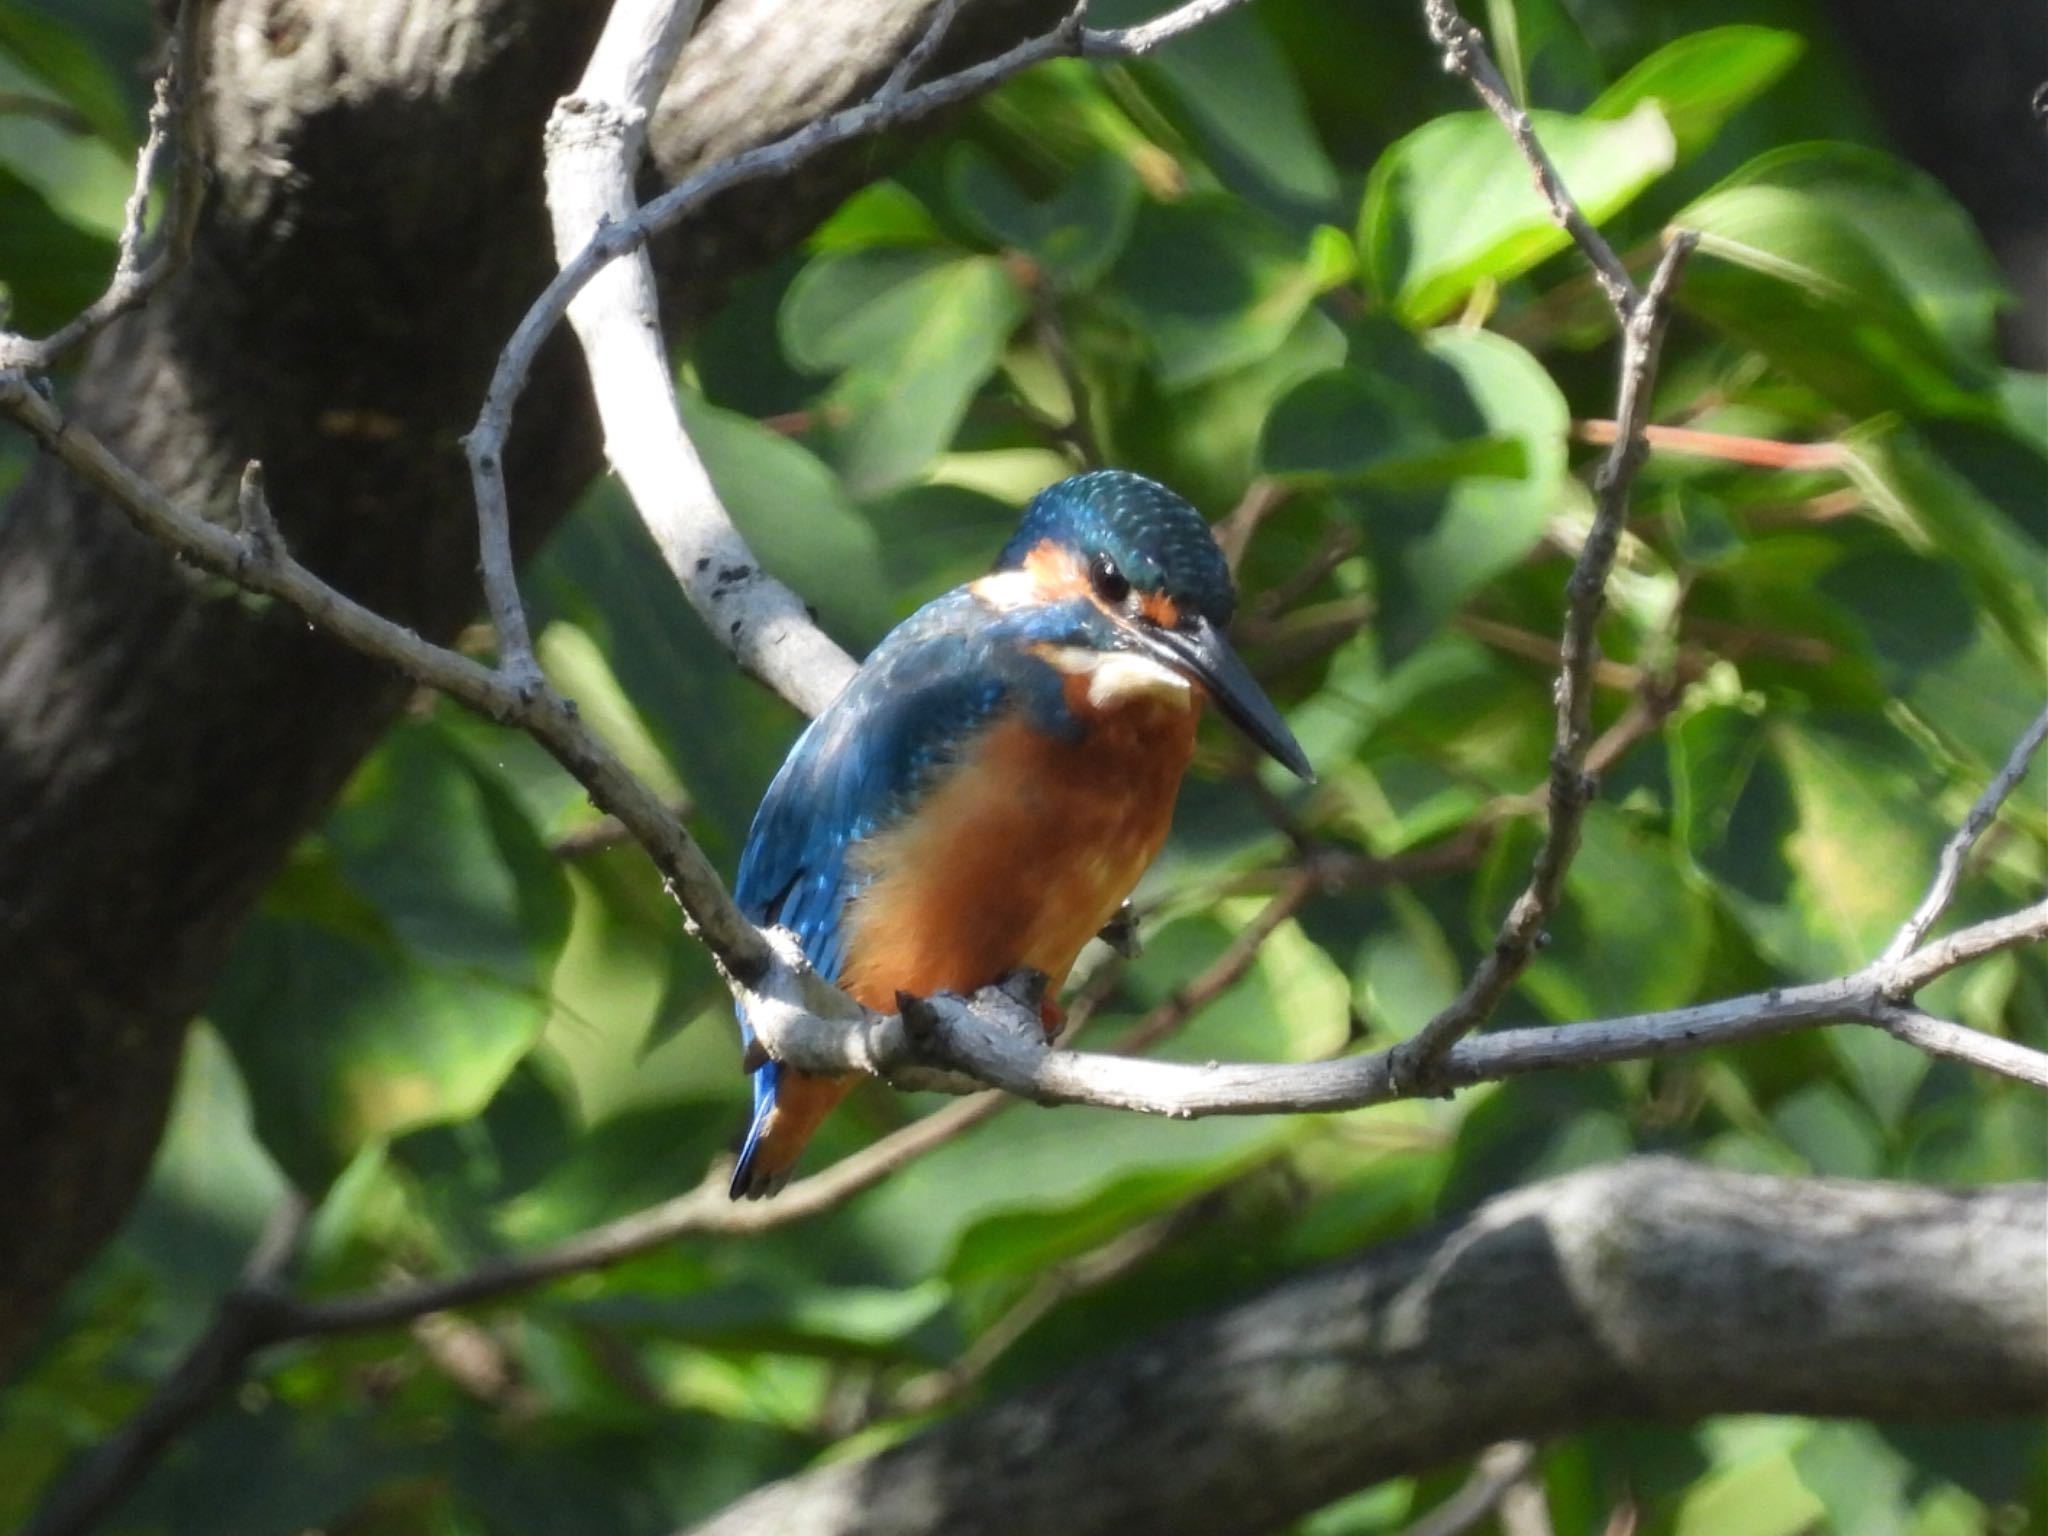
<point x="372" y="231"/>
<point x="1648" y="1290"/>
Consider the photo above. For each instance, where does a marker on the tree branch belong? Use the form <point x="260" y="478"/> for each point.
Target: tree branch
<point x="973" y="1039"/>
<point x="256" y="559"/>
<point x="1642" y="315"/>
<point x="209" y="1370"/>
<point x="1646" y="1290"/>
<point x="1499" y="1469"/>
<point x="1464" y="54"/>
<point x="761" y="622"/>
<point x="143" y="263"/>
<point x="1948" y="869"/>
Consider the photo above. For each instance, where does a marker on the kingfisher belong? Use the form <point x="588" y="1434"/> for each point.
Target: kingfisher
<point x="988" y="787"/>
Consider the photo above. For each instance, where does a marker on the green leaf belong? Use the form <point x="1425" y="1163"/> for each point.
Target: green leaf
<point x="1783" y="272"/>
<point x="1910" y="223"/>
<point x="1632" y="935"/>
<point x="1700" y="81"/>
<point x="210" y="1191"/>
<point x="50" y="269"/>
<point x="1864" y="1482"/>
<point x="398" y="972"/>
<point x="57" y="56"/>
<point x="1543" y="53"/>
<point x="1074" y="235"/>
<point x="1452" y="205"/>
<point x="884" y="214"/>
<point x="1214" y="286"/>
<point x="1353" y="426"/>
<point x="1835" y="1136"/>
<point x="1863" y="842"/>
<point x="1759" y="1496"/>
<point x="1436" y="546"/>
<point x="914" y="333"/>
<point x="1971" y="520"/>
<point x="1232" y="89"/>
<point x="796" y="516"/>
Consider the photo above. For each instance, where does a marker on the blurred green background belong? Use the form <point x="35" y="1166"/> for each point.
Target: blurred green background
<point x="1286" y="253"/>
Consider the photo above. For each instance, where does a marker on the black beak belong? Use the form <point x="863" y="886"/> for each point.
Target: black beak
<point x="1198" y="649"/>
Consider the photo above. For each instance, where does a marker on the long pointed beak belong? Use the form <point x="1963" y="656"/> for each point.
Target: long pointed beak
<point x="1200" y="650"/>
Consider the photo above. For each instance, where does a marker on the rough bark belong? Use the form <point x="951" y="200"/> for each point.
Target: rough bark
<point x="1647" y="1290"/>
<point x="373" y="229"/>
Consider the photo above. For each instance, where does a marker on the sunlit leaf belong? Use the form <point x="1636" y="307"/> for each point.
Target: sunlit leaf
<point x="1700" y="80"/>
<point x="1452" y="204"/>
<point x="913" y="334"/>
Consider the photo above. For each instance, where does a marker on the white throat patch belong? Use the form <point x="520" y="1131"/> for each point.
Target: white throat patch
<point x="1121" y="677"/>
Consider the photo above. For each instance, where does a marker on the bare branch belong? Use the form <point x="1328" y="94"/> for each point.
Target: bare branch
<point x="1135" y="42"/>
<point x="142" y="265"/>
<point x="207" y="1373"/>
<point x="737" y="945"/>
<point x="947" y="1043"/>
<point x="912" y="64"/>
<point x="1940" y="1037"/>
<point x="1948" y="869"/>
<point x="1496" y="1472"/>
<point x="755" y="617"/>
<point x="1571" y="788"/>
<point x="1908" y="975"/>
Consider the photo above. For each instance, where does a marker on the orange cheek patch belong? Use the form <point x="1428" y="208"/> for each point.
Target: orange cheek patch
<point x="1160" y="609"/>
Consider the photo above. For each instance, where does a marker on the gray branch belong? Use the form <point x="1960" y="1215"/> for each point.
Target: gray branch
<point x="144" y="261"/>
<point x="1641" y="316"/>
<point x="947" y="1043"/>
<point x="1948" y="869"/>
<point x="761" y="622"/>
<point x="1421" y="1058"/>
<point x="1650" y="1290"/>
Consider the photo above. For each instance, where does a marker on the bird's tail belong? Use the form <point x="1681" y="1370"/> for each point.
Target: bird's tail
<point x="787" y="1107"/>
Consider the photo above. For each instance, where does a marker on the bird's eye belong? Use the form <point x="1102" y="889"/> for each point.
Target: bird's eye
<point x="1111" y="585"/>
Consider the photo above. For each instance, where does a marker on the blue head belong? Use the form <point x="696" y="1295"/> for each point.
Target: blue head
<point x="1145" y="572"/>
<point x="1137" y="528"/>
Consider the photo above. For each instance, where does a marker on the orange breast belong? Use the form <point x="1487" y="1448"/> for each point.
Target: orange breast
<point x="1019" y="857"/>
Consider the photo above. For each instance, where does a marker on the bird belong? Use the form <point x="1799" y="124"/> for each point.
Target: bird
<point x="984" y="792"/>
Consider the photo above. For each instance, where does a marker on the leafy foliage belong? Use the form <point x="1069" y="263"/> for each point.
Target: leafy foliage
<point x="1231" y="265"/>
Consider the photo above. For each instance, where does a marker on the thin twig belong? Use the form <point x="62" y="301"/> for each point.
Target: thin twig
<point x="1496" y="1471"/>
<point x="1051" y="332"/>
<point x="605" y="832"/>
<point x="734" y="942"/>
<point x="142" y="264"/>
<point x="1958" y="1042"/>
<point x="1757" y="452"/>
<point x="1121" y="1255"/>
<point x="948" y="1033"/>
<point x="1464" y="54"/>
<point x="912" y="64"/>
<point x="1571" y="788"/>
<point x="1261" y="499"/>
<point x="206" y="1374"/>
<point x="1948" y="869"/>
<point x="702" y="1212"/>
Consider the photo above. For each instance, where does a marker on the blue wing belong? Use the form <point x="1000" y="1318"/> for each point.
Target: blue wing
<point x="909" y="712"/>
<point x="913" y="709"/>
